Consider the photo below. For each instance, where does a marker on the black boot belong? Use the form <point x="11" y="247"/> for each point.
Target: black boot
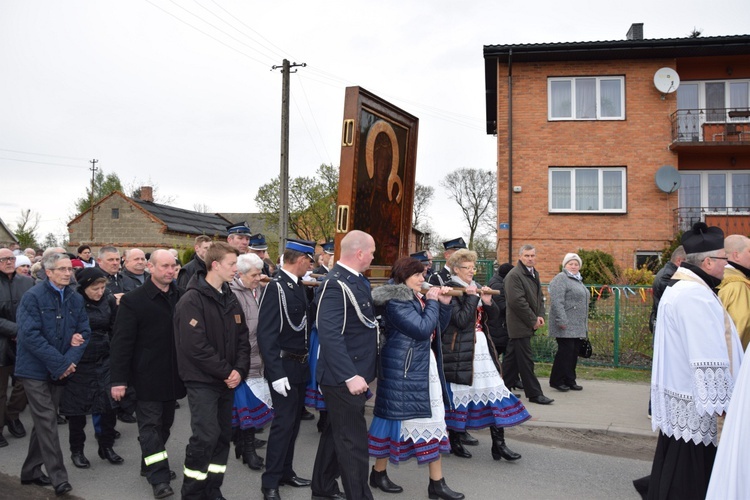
<point x="438" y="489"/>
<point x="380" y="480"/>
<point x="237" y="440"/>
<point x="499" y="448"/>
<point x="456" y="447"/>
<point x="249" y="456"/>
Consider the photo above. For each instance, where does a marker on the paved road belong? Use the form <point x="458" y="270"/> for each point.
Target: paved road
<point x="609" y="414"/>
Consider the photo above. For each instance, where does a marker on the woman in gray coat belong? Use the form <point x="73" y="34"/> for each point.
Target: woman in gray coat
<point x="568" y="322"/>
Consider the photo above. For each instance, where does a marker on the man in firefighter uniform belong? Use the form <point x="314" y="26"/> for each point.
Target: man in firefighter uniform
<point x="283" y="329"/>
<point x="213" y="357"/>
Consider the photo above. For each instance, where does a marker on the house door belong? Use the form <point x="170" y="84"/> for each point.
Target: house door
<point x="688" y="113"/>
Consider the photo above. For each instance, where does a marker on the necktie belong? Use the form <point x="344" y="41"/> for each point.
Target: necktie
<point x="365" y="281"/>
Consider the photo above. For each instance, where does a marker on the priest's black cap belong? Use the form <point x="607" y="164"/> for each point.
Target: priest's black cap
<point x="702" y="238"/>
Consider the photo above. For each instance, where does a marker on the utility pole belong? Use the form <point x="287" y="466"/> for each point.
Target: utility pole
<point x="284" y="170"/>
<point x="91" y="198"/>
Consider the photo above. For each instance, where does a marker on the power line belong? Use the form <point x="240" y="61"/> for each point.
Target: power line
<point x="42" y="154"/>
<point x="41" y="162"/>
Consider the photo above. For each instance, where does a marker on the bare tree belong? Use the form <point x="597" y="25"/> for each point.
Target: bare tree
<point x="474" y="192"/>
<point x="422" y="199"/>
<point x="201" y="208"/>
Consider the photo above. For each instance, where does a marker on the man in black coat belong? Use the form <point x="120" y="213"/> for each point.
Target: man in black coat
<point x="326" y="257"/>
<point x="282" y="338"/>
<point x="661" y="280"/>
<point x="347" y="330"/>
<point x="142" y="354"/>
<point x="197" y="263"/>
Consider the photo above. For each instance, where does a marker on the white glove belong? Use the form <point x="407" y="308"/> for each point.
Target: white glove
<point x="281" y="386"/>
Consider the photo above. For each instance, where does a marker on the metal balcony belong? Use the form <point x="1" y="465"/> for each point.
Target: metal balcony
<point x="732" y="220"/>
<point x="710" y="127"/>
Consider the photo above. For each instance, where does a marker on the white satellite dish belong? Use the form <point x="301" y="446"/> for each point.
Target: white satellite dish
<point x="666" y="80"/>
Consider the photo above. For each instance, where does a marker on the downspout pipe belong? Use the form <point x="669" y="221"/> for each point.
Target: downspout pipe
<point x="510" y="155"/>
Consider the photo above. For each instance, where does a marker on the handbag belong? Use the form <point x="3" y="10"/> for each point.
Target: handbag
<point x="585" y="350"/>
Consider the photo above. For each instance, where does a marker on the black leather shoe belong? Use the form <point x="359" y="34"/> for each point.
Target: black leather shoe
<point x="61" y="420"/>
<point x="80" y="460"/>
<point x="3" y="441"/>
<point x="16" y="428"/>
<point x="541" y="400"/>
<point x="575" y="387"/>
<point x="110" y="455"/>
<point x="39" y="481"/>
<point x="162" y="490"/>
<point x="306" y="415"/>
<point x="335" y="496"/>
<point x="295" y="481"/>
<point x="63" y="488"/>
<point x="381" y="481"/>
<point x="561" y="388"/>
<point x="468" y="439"/>
<point x="270" y="494"/>
<point x="126" y="418"/>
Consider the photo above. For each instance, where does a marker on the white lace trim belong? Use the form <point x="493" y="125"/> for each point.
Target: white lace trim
<point x="486" y="385"/>
<point x="260" y="389"/>
<point x="678" y="415"/>
<point x="432" y="427"/>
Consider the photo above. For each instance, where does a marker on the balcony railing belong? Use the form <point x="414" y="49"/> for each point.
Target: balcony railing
<point x="711" y="125"/>
<point x="732" y="220"/>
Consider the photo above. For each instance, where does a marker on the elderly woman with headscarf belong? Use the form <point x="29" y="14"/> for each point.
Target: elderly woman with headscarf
<point x="479" y="396"/>
<point x="252" y="400"/>
<point x="568" y="322"/>
<point x="87" y="390"/>
<point x="409" y="419"/>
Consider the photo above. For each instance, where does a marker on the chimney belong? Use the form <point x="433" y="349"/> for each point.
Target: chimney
<point x="147" y="194"/>
<point x="635" y="32"/>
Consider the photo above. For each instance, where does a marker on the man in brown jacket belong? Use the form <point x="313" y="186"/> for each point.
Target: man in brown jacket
<point x="524" y="314"/>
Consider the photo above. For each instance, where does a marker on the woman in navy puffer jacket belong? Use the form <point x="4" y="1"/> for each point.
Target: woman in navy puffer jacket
<point x="409" y="409"/>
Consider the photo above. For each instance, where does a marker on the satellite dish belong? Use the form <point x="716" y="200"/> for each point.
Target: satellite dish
<point x="668" y="179"/>
<point x="666" y="80"/>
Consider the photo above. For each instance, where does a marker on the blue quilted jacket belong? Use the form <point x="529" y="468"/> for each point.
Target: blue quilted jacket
<point x="46" y="324"/>
<point x="403" y="381"/>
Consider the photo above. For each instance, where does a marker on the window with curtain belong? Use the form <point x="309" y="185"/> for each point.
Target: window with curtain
<point x="587" y="189"/>
<point x="586" y="98"/>
<point x="714" y="191"/>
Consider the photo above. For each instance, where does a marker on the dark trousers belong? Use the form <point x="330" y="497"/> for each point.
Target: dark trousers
<point x="77" y="433"/>
<point x="155" y="420"/>
<point x="207" y="451"/>
<point x="10" y="408"/>
<point x="326" y="467"/>
<point x="283" y="435"/>
<point x="347" y="430"/>
<point x="519" y="361"/>
<point x="564" y="367"/>
<point x="44" y="443"/>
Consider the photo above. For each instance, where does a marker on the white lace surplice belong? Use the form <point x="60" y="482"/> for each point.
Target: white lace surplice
<point x="692" y="378"/>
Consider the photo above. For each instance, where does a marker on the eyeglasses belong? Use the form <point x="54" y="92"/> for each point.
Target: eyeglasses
<point x="468" y="268"/>
<point x="719" y="258"/>
<point x="3" y="260"/>
<point x="63" y="269"/>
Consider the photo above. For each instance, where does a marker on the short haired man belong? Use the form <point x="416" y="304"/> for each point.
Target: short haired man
<point x="283" y="331"/>
<point x="443" y="276"/>
<point x="259" y="247"/>
<point x="197" y="263"/>
<point x="213" y="356"/>
<point x="661" y="280"/>
<point x="697" y="356"/>
<point x="326" y="258"/>
<point x="108" y="259"/>
<point x="734" y="290"/>
<point x="239" y="237"/>
<point x="12" y="287"/>
<point x="134" y="274"/>
<point x="348" y="333"/>
<point x="143" y="356"/>
<point x="524" y="314"/>
<point x="84" y="255"/>
<point x="53" y="330"/>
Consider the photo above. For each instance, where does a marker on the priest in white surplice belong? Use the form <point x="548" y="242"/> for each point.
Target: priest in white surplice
<point x="697" y="356"/>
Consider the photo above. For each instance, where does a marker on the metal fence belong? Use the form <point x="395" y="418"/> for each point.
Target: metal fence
<point x="618" y="323"/>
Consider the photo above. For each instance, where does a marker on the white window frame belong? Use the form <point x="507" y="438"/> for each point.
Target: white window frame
<point x="702" y="99"/>
<point x="601" y="170"/>
<point x="572" y="81"/>
<point x="728" y="197"/>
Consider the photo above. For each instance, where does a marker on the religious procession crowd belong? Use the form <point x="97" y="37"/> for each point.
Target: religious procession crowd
<point x="252" y="344"/>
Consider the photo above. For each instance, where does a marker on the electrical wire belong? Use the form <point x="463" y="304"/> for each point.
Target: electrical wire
<point x="42" y="154"/>
<point x="41" y="162"/>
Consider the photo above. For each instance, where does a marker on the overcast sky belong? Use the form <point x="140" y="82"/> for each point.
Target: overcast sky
<point x="180" y="94"/>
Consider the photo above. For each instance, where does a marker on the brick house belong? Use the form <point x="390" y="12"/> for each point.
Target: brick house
<point x="140" y="223"/>
<point x="582" y="131"/>
<point x="6" y="235"/>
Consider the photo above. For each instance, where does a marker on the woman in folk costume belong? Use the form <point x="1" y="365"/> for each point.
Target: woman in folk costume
<point x="697" y="355"/>
<point x="409" y="417"/>
<point x="252" y="400"/>
<point x="479" y="396"/>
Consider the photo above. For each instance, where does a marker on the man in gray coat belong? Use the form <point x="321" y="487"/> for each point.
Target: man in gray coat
<point x="524" y="314"/>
